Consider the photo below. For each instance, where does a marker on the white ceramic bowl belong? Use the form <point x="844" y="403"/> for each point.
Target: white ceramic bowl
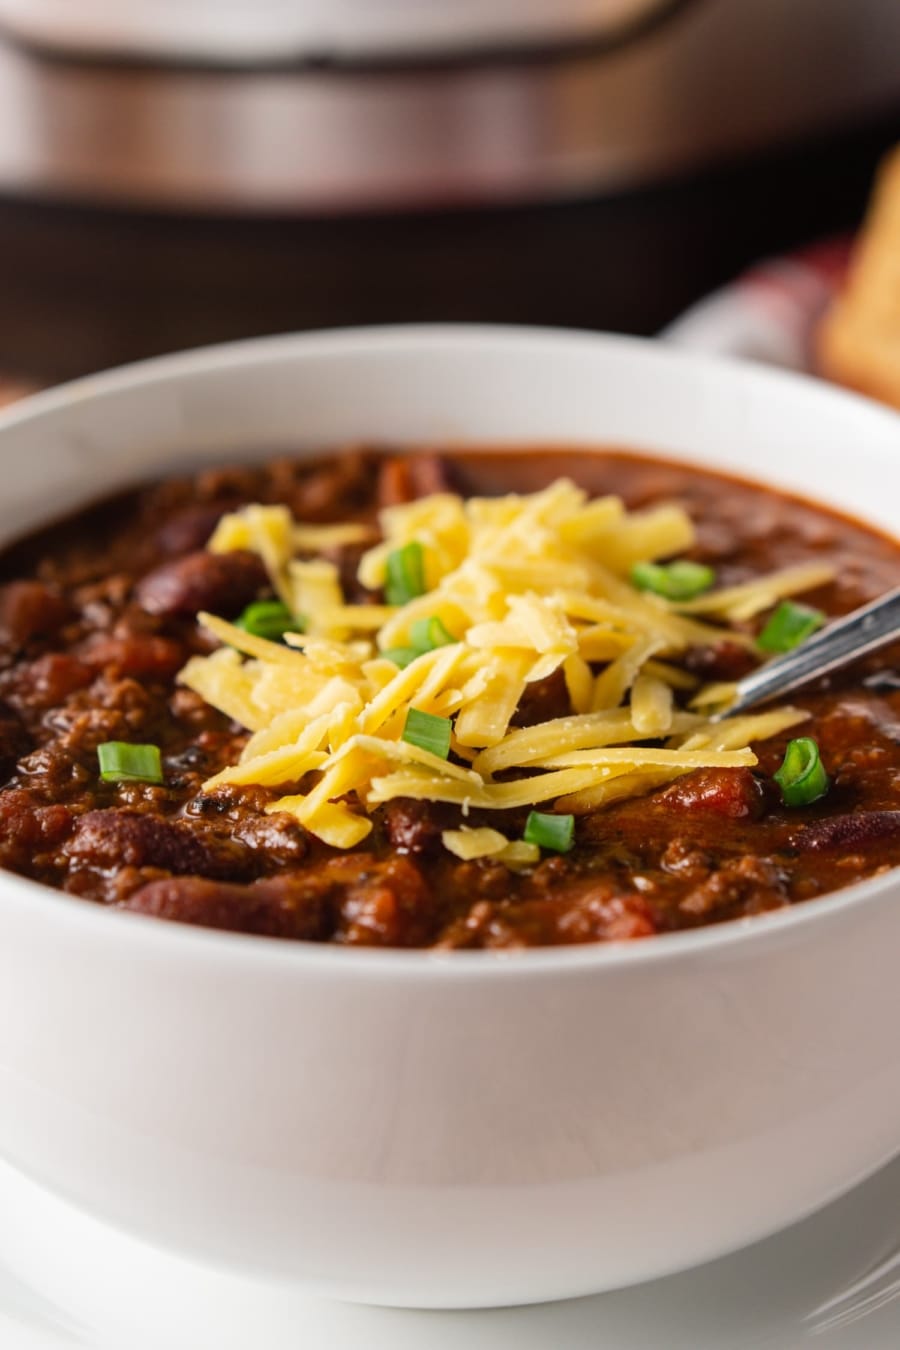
<point x="469" y="1128"/>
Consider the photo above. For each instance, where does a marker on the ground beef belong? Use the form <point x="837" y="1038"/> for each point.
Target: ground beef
<point x="106" y="839"/>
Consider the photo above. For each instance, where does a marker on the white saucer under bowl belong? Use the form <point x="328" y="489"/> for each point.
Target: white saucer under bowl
<point x="66" y="1280"/>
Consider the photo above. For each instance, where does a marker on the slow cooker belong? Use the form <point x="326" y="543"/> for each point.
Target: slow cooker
<point x="177" y="172"/>
<point x="313" y="106"/>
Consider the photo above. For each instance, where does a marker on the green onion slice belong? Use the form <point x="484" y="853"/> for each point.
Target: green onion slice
<point x="789" y="625"/>
<point x="405" y="574"/>
<point x="401" y="656"/>
<point x="269" y="619"/>
<point x="427" y="634"/>
<point x="553" y="832"/>
<point x="802" y="777"/>
<point x="122" y="762"/>
<point x="428" y="732"/>
<point x="681" y="580"/>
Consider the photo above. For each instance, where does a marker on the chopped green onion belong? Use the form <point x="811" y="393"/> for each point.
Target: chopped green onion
<point x="269" y="619"/>
<point x="122" y="762"/>
<point x="553" y="832"/>
<point x="802" y="777"/>
<point x="788" y="626"/>
<point x="401" y="656"/>
<point x="428" y="732"/>
<point x="681" y="580"/>
<point x="427" y="634"/>
<point x="405" y="574"/>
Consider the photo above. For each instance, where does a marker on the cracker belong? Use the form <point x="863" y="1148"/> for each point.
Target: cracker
<point x="858" y="342"/>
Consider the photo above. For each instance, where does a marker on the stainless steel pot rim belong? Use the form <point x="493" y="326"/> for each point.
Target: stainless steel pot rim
<point x="553" y="42"/>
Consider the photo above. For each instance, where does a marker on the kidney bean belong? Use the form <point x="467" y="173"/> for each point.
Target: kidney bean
<point x="188" y="530"/>
<point x="542" y="701"/>
<point x="28" y="609"/>
<point x="848" y="832"/>
<point x="415" y="827"/>
<point x="221" y="582"/>
<point x="733" y="793"/>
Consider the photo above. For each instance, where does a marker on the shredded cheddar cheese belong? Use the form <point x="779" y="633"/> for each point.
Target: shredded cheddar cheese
<point x="467" y="843"/>
<point x="517" y="588"/>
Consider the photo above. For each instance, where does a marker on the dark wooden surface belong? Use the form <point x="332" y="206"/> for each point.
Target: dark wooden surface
<point x="82" y="289"/>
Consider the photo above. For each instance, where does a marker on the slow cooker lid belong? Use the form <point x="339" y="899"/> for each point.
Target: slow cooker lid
<point x="250" y="31"/>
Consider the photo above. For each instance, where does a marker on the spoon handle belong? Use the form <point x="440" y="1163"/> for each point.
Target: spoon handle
<point x="855" y="635"/>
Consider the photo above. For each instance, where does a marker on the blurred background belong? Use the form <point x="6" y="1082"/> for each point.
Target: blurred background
<point x="177" y="172"/>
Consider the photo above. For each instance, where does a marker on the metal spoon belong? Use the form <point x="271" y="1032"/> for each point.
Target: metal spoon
<point x="856" y="634"/>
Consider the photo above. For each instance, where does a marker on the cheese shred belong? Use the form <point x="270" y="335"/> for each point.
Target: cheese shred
<point x="520" y="590"/>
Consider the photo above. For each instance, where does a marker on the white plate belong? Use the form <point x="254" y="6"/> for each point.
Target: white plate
<point x="832" y="1283"/>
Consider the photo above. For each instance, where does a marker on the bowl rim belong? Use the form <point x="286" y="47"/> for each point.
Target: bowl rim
<point x="257" y="351"/>
<point x="177" y="941"/>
